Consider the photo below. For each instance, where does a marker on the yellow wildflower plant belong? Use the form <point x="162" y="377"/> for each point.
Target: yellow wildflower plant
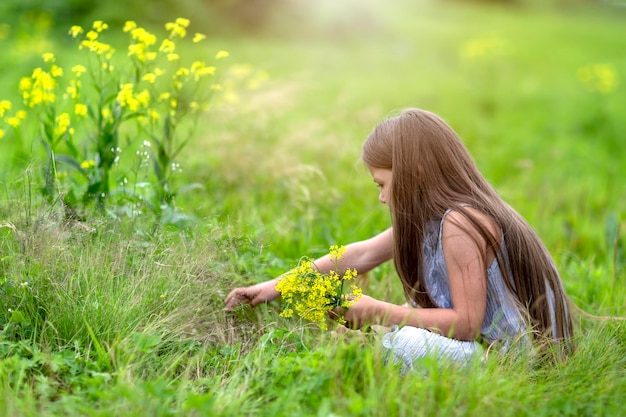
<point x="311" y="294"/>
<point x="600" y="78"/>
<point x="84" y="110"/>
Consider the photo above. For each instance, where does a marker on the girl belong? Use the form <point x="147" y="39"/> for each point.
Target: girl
<point x="472" y="269"/>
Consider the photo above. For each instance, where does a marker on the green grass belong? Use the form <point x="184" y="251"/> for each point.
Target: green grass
<point x="120" y="318"/>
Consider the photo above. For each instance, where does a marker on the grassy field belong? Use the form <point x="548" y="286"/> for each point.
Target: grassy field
<point x="119" y="317"/>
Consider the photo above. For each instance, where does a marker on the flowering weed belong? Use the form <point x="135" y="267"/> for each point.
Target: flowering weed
<point x="88" y="114"/>
<point x="312" y="294"/>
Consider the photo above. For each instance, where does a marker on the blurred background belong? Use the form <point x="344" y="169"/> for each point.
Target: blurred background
<point x="534" y="88"/>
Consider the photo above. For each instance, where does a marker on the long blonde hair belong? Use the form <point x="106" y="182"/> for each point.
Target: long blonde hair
<point x="432" y="171"/>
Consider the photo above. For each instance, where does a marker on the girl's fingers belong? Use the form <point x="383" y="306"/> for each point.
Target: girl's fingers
<point x="233" y="299"/>
<point x="333" y="315"/>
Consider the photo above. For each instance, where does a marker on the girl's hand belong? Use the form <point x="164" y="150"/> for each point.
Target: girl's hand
<point x="253" y="295"/>
<point x="364" y="311"/>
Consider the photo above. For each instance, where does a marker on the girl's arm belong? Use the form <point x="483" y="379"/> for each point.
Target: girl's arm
<point x="468" y="287"/>
<point x="362" y="256"/>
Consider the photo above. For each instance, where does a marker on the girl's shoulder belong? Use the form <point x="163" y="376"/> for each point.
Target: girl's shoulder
<point x="467" y="221"/>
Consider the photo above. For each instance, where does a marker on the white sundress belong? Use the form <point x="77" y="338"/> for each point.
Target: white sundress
<point x="502" y="320"/>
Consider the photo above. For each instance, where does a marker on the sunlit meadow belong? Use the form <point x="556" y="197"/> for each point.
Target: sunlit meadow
<point x="128" y="212"/>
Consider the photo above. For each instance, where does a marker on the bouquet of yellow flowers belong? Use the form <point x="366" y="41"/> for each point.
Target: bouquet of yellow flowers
<point x="311" y="294"/>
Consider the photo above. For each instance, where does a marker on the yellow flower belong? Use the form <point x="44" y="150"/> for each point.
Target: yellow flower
<point x="143" y="36"/>
<point x="72" y="89"/>
<point x="311" y="294"/>
<point x="357" y="292"/>
<point x="153" y="114"/>
<point x="48" y="57"/>
<point x="337" y="252"/>
<point x="56" y="71"/>
<point x="129" y="25"/>
<point x="182" y="22"/>
<point x="198" y="37"/>
<point x="80" y="109"/>
<point x="143" y="98"/>
<point x="222" y="54"/>
<point x="127" y="99"/>
<point x="21" y="114"/>
<point x="149" y="77"/>
<point x="62" y="124"/>
<point x="5" y="105"/>
<point x="177" y="28"/>
<point x="167" y="46"/>
<point x="75" y="31"/>
<point x="88" y="164"/>
<point x="199" y="69"/>
<point x="1" y="133"/>
<point x="173" y="57"/>
<point x="13" y="122"/>
<point x="205" y="71"/>
<point x="182" y="71"/>
<point x="137" y="49"/>
<point x="26" y="83"/>
<point x="99" y="48"/>
<point x="99" y="26"/>
<point x="196" y="66"/>
<point x="39" y="89"/>
<point x="78" y="70"/>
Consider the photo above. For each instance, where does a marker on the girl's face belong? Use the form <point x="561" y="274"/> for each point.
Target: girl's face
<point x="382" y="177"/>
